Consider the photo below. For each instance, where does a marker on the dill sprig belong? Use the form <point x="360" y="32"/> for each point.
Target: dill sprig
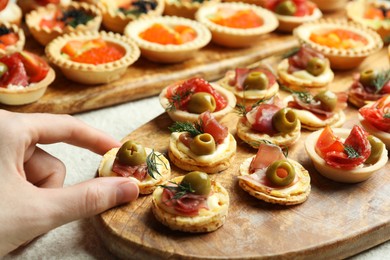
<point x="387" y="115"/>
<point x="352" y="153"/>
<point x="180" y="189"/>
<point x="176" y="100"/>
<point x="139" y="7"/>
<point x="241" y="109"/>
<point x="305" y="96"/>
<point x="75" y="17"/>
<point x="151" y="163"/>
<point x="193" y="129"/>
<point x="381" y="80"/>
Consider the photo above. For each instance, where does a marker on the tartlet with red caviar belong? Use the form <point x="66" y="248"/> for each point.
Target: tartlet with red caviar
<point x="168" y="39"/>
<point x="12" y="39"/>
<point x="346" y="155"/>
<point x="292" y="13"/>
<point x="185" y="8"/>
<point x="185" y="101"/>
<point x="345" y="44"/>
<point x="51" y="21"/>
<point x="236" y="24"/>
<point x="117" y="14"/>
<point x="30" y="5"/>
<point x="92" y="57"/>
<point x="24" y="78"/>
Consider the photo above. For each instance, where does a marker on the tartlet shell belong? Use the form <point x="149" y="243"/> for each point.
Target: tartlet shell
<point x="19" y="44"/>
<point x="184" y="9"/>
<point x="184" y="116"/>
<point x="207" y="221"/>
<point x="11" y="14"/>
<point x="340" y="58"/>
<point x="116" y="21"/>
<point x="236" y="37"/>
<point x="168" y="53"/>
<point x="89" y="73"/>
<point x="44" y="35"/>
<point x="330" y="5"/>
<point x="28" y="94"/>
<point x="289" y="23"/>
<point x="336" y="174"/>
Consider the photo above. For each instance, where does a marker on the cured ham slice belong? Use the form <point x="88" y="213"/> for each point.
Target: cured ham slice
<point x="211" y="126"/>
<point x="139" y="171"/>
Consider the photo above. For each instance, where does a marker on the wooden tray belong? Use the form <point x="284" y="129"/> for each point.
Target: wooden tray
<point x="337" y="221"/>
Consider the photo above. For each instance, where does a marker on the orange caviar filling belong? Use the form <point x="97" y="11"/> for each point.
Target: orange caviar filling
<point x="178" y="34"/>
<point x="373" y="13"/>
<point x="8" y="39"/>
<point x="242" y="19"/>
<point x="339" y="39"/>
<point x="95" y="51"/>
<point x="52" y="22"/>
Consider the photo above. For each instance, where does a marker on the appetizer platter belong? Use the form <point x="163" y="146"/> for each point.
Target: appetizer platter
<point x="336" y="220"/>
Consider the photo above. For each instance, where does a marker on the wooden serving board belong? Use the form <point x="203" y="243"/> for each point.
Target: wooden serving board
<point x="146" y="78"/>
<point x="338" y="220"/>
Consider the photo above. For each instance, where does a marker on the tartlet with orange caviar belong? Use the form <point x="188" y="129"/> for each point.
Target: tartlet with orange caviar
<point x="10" y="12"/>
<point x="24" y="78"/>
<point x="236" y="24"/>
<point x="293" y="13"/>
<point x="168" y="39"/>
<point x="51" y="21"/>
<point x="185" y="8"/>
<point x="12" y="39"/>
<point x="117" y="14"/>
<point x="92" y="57"/>
<point x="185" y="100"/>
<point x="345" y="44"/>
<point x="372" y="13"/>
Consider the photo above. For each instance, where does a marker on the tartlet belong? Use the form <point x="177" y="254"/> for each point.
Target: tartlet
<point x="33" y="76"/>
<point x="232" y="34"/>
<point x="211" y="215"/>
<point x="304" y="70"/>
<point x="30" y="5"/>
<point x="148" y="178"/>
<point x="270" y="122"/>
<point x="11" y="13"/>
<point x="205" y="146"/>
<point x="44" y="34"/>
<point x="186" y="8"/>
<point x="187" y="36"/>
<point x="374" y="120"/>
<point x="371" y="13"/>
<point x="256" y="177"/>
<point x="235" y="82"/>
<point x="90" y="73"/>
<point x="299" y="13"/>
<point x="345" y="53"/>
<point x="176" y="97"/>
<point x="355" y="174"/>
<point x="18" y="39"/>
<point x="116" y="16"/>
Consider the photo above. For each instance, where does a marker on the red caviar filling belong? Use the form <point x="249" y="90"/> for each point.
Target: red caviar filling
<point x="8" y="39"/>
<point x="374" y="13"/>
<point x="178" y="34"/>
<point x="339" y="39"/>
<point x="242" y="19"/>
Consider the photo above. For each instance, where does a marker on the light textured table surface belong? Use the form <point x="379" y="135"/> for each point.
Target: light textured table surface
<point x="78" y="240"/>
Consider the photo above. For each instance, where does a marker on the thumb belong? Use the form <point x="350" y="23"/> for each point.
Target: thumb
<point x="90" y="198"/>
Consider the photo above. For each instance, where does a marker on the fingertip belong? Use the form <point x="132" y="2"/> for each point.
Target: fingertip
<point x="127" y="191"/>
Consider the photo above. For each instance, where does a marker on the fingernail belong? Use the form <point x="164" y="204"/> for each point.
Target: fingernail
<point x="127" y="191"/>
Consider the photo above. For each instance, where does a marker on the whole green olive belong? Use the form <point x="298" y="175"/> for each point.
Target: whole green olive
<point x="281" y="173"/>
<point x="327" y="99"/>
<point x="201" y="102"/>
<point x="198" y="181"/>
<point x="131" y="153"/>
<point x="256" y="80"/>
<point x="286" y="8"/>
<point x="203" y="144"/>
<point x="285" y="121"/>
<point x="316" y="66"/>
<point x="367" y="77"/>
<point x="3" y="69"/>
<point x="377" y="147"/>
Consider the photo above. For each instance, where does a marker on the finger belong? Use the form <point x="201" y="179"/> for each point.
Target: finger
<point x="89" y="198"/>
<point x="44" y="170"/>
<point x="48" y="128"/>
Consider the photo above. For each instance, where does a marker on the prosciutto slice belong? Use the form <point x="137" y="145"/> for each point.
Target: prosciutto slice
<point x="366" y="92"/>
<point x="300" y="60"/>
<point x="211" y="126"/>
<point x="139" y="171"/>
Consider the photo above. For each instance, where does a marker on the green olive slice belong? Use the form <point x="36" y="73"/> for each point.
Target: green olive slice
<point x="367" y="77"/>
<point x="198" y="181"/>
<point x="131" y="153"/>
<point x="316" y="66"/>
<point x="201" y="102"/>
<point x="327" y="99"/>
<point x="203" y="144"/>
<point x="377" y="147"/>
<point x="286" y="8"/>
<point x="256" y="80"/>
<point x="281" y="173"/>
<point x="3" y="69"/>
<point x="285" y="121"/>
